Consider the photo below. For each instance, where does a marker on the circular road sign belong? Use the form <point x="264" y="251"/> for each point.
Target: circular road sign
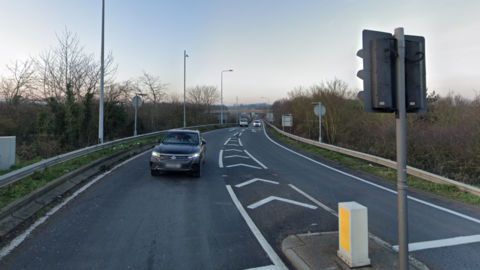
<point x="137" y="101"/>
<point x="317" y="109"/>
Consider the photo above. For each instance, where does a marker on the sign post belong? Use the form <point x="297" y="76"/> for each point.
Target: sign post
<point x="136" y="102"/>
<point x="320" y="111"/>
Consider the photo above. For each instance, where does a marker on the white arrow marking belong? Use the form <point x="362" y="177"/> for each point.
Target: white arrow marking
<point x="240" y="142"/>
<point x="220" y="161"/>
<point x="265" y="167"/>
<point x="271" y="198"/>
<point x="236" y="165"/>
<point x="233" y="150"/>
<point x="236" y="156"/>
<point x="227" y="141"/>
<point x="254" y="180"/>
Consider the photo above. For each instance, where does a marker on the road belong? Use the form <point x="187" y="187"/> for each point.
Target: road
<point x="254" y="192"/>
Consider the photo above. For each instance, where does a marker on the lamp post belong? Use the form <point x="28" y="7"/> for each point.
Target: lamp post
<point x="268" y="110"/>
<point x="136" y="103"/>
<point x="185" y="55"/>
<point x="221" y="106"/>
<point x="100" y="124"/>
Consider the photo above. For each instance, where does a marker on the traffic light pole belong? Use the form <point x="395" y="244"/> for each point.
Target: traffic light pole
<point x="401" y="153"/>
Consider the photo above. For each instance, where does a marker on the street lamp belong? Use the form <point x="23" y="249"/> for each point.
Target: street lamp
<point x="221" y="116"/>
<point x="137" y="102"/>
<point x="184" y="83"/>
<point x="100" y="124"/>
<point x="268" y="104"/>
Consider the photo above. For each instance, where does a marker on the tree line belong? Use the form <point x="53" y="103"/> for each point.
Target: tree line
<point x="443" y="141"/>
<point x="51" y="102"/>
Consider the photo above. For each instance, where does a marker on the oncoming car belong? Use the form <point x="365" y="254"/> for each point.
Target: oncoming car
<point x="243" y="122"/>
<point x="257" y="123"/>
<point x="179" y="150"/>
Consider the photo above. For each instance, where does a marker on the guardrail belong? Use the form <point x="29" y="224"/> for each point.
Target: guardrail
<point x="19" y="174"/>
<point x="384" y="162"/>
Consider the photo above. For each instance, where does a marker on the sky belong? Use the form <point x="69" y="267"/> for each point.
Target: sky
<point x="272" y="46"/>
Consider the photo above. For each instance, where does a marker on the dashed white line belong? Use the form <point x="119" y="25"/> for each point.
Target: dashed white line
<point x="275" y="198"/>
<point x="265" y="167"/>
<point x="442" y="243"/>
<point x="263" y="242"/>
<point x="236" y="156"/>
<point x="220" y="160"/>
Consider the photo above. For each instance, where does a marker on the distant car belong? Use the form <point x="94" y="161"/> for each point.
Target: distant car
<point x="180" y="150"/>
<point x="243" y="122"/>
<point x="257" y="123"/>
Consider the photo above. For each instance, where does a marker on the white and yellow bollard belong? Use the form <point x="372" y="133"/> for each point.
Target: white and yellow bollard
<point x="353" y="234"/>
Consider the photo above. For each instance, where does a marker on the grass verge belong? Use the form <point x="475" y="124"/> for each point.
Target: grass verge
<point x="448" y="191"/>
<point x="14" y="191"/>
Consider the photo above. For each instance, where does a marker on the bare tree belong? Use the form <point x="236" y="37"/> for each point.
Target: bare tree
<point x="20" y="83"/>
<point x="153" y="87"/>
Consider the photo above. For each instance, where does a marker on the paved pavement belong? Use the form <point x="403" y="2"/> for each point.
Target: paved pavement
<point x="319" y="251"/>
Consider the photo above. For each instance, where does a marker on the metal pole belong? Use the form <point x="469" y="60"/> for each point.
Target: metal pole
<point x="184" y="84"/>
<point x="320" y="122"/>
<point x="237" y="110"/>
<point x="401" y="153"/>
<point x="136" y="107"/>
<point x="100" y="124"/>
<point x="221" y="105"/>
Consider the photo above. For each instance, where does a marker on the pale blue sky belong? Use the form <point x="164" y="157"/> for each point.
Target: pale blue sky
<point x="272" y="45"/>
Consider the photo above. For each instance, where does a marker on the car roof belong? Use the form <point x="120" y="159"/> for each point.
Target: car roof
<point x="184" y="130"/>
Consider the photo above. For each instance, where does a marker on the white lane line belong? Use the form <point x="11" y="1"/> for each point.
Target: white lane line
<point x="227" y="141"/>
<point x="263" y="242"/>
<point x="19" y="239"/>
<point x="268" y="267"/>
<point x="333" y="212"/>
<point x="442" y="243"/>
<point x="275" y="198"/>
<point x="220" y="161"/>
<point x="227" y="150"/>
<point x="265" y="167"/>
<point x="240" y="142"/>
<point x="375" y="185"/>
<point x="235" y="134"/>
<point x="236" y="156"/>
<point x="250" y="166"/>
<point x="254" y="180"/>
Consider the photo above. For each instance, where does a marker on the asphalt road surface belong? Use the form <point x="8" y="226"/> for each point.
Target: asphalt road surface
<point x="254" y="192"/>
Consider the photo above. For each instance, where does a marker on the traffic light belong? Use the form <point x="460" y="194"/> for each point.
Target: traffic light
<point x="379" y="73"/>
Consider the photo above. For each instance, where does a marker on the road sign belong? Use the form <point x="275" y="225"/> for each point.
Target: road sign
<point x="317" y="110"/>
<point x="137" y="101"/>
<point x="287" y="120"/>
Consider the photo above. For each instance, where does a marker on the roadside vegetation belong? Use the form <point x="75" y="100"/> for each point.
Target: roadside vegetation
<point x="443" y="141"/>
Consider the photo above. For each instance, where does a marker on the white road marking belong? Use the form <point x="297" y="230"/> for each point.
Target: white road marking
<point x="273" y="198"/>
<point x="235" y="134"/>
<point x="220" y="161"/>
<point x="268" y="267"/>
<point x="227" y="150"/>
<point x="250" y="166"/>
<point x="333" y="212"/>
<point x="263" y="242"/>
<point x="254" y="180"/>
<point x="227" y="141"/>
<point x="236" y="156"/>
<point x="19" y="239"/>
<point x="240" y="134"/>
<point x="240" y="142"/>
<point x="233" y="144"/>
<point x="378" y="186"/>
<point x="442" y="243"/>
<point x="265" y="167"/>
